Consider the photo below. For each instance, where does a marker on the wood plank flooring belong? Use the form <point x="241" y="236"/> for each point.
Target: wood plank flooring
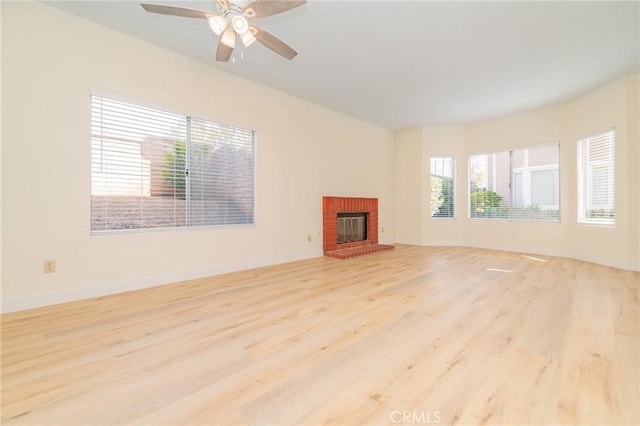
<point x="416" y="335"/>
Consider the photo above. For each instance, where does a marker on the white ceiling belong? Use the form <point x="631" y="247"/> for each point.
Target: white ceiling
<point x="402" y="64"/>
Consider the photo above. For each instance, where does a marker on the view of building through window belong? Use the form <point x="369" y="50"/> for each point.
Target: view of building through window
<point x="518" y="184"/>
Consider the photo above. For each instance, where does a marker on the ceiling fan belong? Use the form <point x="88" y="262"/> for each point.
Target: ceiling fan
<point x="231" y="20"/>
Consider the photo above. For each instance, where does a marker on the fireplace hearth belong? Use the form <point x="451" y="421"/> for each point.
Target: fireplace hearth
<point x="350" y="227"/>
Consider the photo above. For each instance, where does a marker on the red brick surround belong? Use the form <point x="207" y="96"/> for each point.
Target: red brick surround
<point x="331" y="206"/>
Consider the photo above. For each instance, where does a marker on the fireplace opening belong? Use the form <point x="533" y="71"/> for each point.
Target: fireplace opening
<point x="352" y="227"/>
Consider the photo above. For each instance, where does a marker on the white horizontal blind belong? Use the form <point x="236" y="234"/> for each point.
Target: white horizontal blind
<point x="154" y="169"/>
<point x="221" y="183"/>
<point x="521" y="184"/>
<point x="596" y="179"/>
<point x="442" y="184"/>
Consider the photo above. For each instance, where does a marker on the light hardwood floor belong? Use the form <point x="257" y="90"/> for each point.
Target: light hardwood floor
<point x="413" y="336"/>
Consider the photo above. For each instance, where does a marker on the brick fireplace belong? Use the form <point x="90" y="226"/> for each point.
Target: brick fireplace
<point x="331" y="208"/>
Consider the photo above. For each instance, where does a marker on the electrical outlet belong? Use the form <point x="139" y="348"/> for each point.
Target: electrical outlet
<point x="49" y="266"/>
<point x="309" y="237"/>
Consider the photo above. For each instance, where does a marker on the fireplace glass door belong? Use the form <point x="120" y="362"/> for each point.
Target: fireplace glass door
<point x="352" y="227"/>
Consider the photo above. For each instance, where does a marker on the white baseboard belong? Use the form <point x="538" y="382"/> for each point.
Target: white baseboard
<point x="409" y="242"/>
<point x="103" y="289"/>
<point x="614" y="263"/>
<point x="449" y="243"/>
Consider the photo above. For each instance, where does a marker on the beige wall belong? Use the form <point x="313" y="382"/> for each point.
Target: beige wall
<point x="53" y="61"/>
<point x="1" y="133"/>
<point x="633" y="112"/>
<point x="613" y="105"/>
<point x="409" y="183"/>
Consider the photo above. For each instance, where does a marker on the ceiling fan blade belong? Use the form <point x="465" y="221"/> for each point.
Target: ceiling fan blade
<point x="176" y="11"/>
<point x="273" y="43"/>
<point x="224" y="52"/>
<point x="261" y="8"/>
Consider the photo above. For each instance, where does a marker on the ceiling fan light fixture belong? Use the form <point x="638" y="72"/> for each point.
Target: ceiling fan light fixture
<point x="247" y="38"/>
<point x="217" y="24"/>
<point x="228" y="38"/>
<point x="239" y="24"/>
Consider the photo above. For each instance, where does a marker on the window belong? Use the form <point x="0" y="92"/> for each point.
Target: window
<point x="442" y="186"/>
<point x="518" y="184"/>
<point x="154" y="169"/>
<point x="596" y="179"/>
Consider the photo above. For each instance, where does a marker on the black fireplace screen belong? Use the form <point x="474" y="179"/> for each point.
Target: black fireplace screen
<point x="352" y="227"/>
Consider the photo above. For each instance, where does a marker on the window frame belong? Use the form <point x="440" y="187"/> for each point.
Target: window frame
<point x="584" y="197"/>
<point x="511" y="172"/>
<point x="453" y="186"/>
<point x="192" y="142"/>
